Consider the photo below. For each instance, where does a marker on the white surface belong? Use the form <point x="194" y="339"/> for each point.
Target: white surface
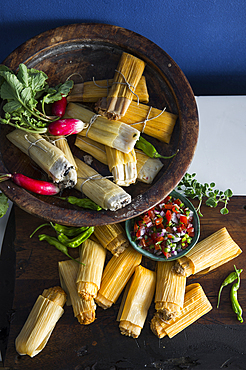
<point x="221" y="150"/>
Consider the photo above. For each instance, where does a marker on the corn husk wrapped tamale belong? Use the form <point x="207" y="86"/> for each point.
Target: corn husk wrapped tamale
<point x="126" y="79"/>
<point x="102" y="191"/>
<point x="61" y="143"/>
<point x="92" y="91"/>
<point x="170" y="290"/>
<point x="196" y="304"/>
<point x="92" y="258"/>
<point x="41" y="322"/>
<point x="122" y="166"/>
<point x="135" y="307"/>
<point x="152" y="121"/>
<point x="92" y="147"/>
<point x="208" y="254"/>
<point x="84" y="310"/>
<point x="116" y="275"/>
<point x="50" y="158"/>
<point x="112" y="237"/>
<point x="147" y="168"/>
<point x="114" y="134"/>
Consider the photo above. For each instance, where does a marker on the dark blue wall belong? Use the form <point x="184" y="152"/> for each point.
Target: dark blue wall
<point x="206" y="38"/>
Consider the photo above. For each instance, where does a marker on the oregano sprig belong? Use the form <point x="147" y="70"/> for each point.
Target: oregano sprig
<point x="194" y="189"/>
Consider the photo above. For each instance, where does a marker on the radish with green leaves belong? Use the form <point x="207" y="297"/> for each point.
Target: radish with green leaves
<point x="35" y="186"/>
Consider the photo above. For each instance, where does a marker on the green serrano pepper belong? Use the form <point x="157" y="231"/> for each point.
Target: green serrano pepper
<point x="228" y="280"/>
<point x="76" y="241"/>
<point x="54" y="242"/>
<point x="69" y="230"/>
<point x="149" y="149"/>
<point x="233" y="295"/>
<point x="82" y="202"/>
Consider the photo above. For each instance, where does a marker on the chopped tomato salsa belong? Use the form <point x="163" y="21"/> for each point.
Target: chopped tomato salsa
<point x="166" y="229"/>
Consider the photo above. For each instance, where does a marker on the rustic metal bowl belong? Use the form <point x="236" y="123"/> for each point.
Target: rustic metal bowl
<point x="93" y="50"/>
<point x="196" y="222"/>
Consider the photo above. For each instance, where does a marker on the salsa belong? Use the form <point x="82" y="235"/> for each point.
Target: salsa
<point x="166" y="229"/>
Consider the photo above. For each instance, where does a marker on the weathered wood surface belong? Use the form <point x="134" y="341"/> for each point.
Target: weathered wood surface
<point x="93" y="50"/>
<point x="215" y="341"/>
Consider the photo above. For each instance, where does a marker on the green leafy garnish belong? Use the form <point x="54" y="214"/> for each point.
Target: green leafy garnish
<point x="3" y="204"/>
<point x="23" y="93"/>
<point x="193" y="189"/>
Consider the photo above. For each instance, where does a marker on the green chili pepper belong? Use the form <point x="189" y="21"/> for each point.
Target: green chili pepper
<point x="82" y="202"/>
<point x="228" y="280"/>
<point x="78" y="240"/>
<point x="39" y="227"/>
<point x="233" y="295"/>
<point x="149" y="149"/>
<point x="69" y="230"/>
<point x="53" y="241"/>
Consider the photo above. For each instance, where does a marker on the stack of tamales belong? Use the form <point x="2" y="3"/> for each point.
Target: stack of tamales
<point x="178" y="306"/>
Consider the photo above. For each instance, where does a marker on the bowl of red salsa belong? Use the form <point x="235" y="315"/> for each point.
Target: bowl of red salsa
<point x="167" y="231"/>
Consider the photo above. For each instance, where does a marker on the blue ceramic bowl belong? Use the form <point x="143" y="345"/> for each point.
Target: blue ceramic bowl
<point x="196" y="222"/>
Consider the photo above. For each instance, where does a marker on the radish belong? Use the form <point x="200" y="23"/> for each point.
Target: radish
<point x="66" y="126"/>
<point x="35" y="186"/>
<point x="59" y="107"/>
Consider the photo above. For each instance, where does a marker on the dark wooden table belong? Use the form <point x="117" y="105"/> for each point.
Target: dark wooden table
<point x="216" y="341"/>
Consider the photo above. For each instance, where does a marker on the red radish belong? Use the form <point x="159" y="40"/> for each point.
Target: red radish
<point x="66" y="126"/>
<point x="35" y="186"/>
<point x="59" y="107"/>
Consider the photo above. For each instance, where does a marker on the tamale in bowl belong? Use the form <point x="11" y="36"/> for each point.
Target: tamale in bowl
<point x="93" y="51"/>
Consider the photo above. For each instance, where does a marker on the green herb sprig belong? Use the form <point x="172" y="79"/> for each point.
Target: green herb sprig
<point x="193" y="189"/>
<point x="23" y="93"/>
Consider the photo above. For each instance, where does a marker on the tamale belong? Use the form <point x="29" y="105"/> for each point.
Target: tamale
<point x="147" y="168"/>
<point x="41" y="322"/>
<point x="152" y="121"/>
<point x="122" y="166"/>
<point x="84" y="310"/>
<point x="92" y="258"/>
<point x="208" y="254"/>
<point x="116" y="135"/>
<point x="126" y="79"/>
<point x="116" y="275"/>
<point x="92" y="147"/>
<point x="61" y="143"/>
<point x="112" y="237"/>
<point x="137" y="303"/>
<point x="196" y="304"/>
<point x="102" y="191"/>
<point x="170" y="290"/>
<point x="46" y="155"/>
<point x="92" y="91"/>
